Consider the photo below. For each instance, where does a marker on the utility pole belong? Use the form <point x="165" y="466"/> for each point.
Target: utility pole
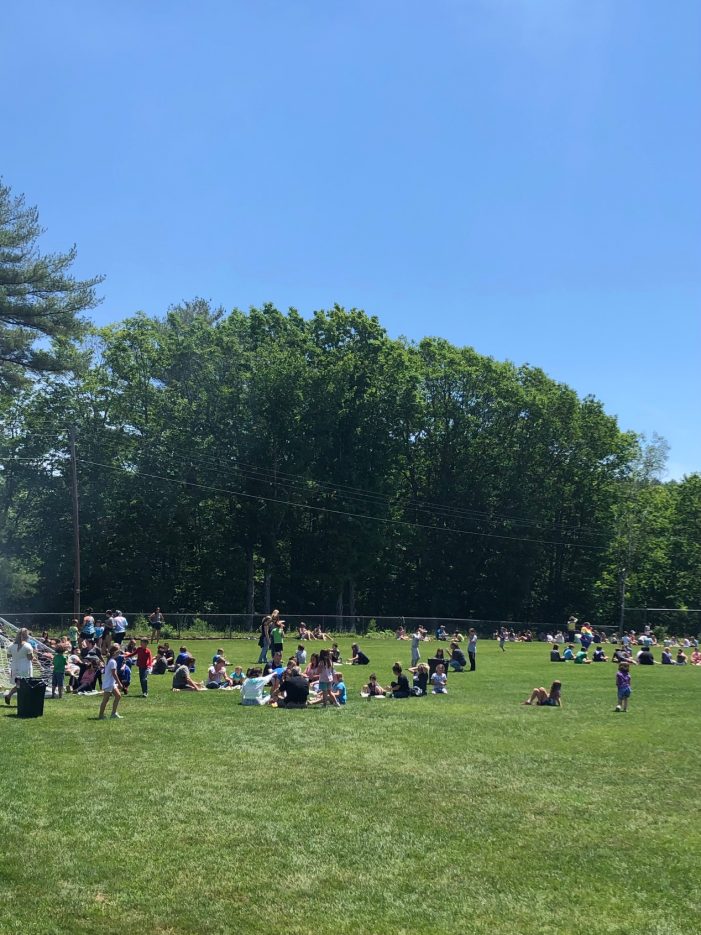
<point x="76" y="526"/>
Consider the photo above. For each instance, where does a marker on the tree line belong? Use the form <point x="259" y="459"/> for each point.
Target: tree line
<point x="235" y="461"/>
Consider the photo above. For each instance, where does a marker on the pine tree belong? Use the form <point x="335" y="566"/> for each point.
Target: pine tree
<point x="39" y="299"/>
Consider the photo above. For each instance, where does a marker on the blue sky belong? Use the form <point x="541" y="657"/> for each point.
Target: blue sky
<point x="522" y="176"/>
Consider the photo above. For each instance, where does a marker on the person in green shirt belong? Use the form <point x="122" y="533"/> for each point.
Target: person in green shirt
<point x="277" y="635"/>
<point x="581" y="658"/>
<point x="73" y="633"/>
<point x="58" y="673"/>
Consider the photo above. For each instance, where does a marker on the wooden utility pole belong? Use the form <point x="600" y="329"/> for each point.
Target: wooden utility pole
<point x="76" y="526"/>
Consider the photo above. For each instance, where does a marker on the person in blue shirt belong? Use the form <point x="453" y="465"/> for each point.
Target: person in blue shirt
<point x="568" y="654"/>
<point x="339" y="688"/>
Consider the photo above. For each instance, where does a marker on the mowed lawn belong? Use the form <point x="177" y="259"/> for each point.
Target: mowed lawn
<point x="467" y="813"/>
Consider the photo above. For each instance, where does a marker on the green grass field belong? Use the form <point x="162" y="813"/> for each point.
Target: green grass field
<point x="460" y="814"/>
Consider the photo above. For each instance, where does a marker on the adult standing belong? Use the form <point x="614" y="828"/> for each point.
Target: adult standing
<point x="571" y="627"/>
<point x="264" y="638"/>
<point x="119" y="624"/>
<point x="472" y="649"/>
<point x="21" y="656"/>
<point x="157" y="621"/>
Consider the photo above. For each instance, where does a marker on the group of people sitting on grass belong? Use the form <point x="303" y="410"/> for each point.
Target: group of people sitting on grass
<point x="624" y="653"/>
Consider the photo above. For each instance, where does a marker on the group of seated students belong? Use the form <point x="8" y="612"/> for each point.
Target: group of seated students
<point x="644" y="656"/>
<point x="399" y="687"/>
<point x="316" y="634"/>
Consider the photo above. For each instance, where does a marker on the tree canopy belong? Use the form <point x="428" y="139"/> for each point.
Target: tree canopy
<point x="232" y="461"/>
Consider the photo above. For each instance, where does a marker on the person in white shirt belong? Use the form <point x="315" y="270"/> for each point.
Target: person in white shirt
<point x="252" y="688"/>
<point x="21" y="656"/>
<point x="120" y="625"/>
<point x="111" y="684"/>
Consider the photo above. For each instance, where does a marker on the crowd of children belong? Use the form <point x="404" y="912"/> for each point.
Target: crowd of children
<point x="95" y="656"/>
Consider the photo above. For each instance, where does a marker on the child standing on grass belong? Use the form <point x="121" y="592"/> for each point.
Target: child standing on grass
<point x="59" y="672"/>
<point x="144" y="662"/>
<point x="326" y="679"/>
<point x="623" y="686"/>
<point x="111" y="685"/>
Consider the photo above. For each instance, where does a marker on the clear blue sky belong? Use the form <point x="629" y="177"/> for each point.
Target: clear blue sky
<point x="523" y="176"/>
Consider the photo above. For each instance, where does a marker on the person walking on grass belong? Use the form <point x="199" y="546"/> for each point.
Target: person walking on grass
<point x="21" y="656"/>
<point x="472" y="649"/>
<point x="144" y="663"/>
<point x="111" y="686"/>
<point x="623" y="686"/>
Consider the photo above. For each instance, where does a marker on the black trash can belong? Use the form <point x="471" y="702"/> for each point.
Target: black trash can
<point x="30" y="698"/>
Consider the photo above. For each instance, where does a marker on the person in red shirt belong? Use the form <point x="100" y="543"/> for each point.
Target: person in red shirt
<point x="144" y="661"/>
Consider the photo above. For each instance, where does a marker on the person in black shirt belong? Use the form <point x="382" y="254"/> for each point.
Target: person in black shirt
<point x="400" y="687"/>
<point x="437" y="660"/>
<point x="457" y="658"/>
<point x="555" y="654"/>
<point x="358" y="656"/>
<point x="296" y="690"/>
<point x="420" y="673"/>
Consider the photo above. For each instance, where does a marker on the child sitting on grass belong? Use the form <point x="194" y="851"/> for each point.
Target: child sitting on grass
<point x="400" y="687"/>
<point x="237" y="677"/>
<point x="439" y="680"/>
<point x="548" y="699"/>
<point x="372" y="689"/>
<point x="339" y="688"/>
<point x="420" y="673"/>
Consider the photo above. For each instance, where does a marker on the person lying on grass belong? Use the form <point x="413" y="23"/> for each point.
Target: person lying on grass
<point x="543" y="698"/>
<point x="373" y="689"/>
<point x="182" y="680"/>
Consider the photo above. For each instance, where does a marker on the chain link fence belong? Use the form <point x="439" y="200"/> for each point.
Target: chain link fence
<point x="245" y="626"/>
<point x="673" y="620"/>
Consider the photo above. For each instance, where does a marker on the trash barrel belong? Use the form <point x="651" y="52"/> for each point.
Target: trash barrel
<point x="30" y="698"/>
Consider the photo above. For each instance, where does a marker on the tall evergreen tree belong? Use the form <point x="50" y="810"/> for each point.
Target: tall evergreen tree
<point x="39" y="299"/>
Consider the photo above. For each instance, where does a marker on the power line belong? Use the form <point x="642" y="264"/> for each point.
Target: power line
<point x="321" y="509"/>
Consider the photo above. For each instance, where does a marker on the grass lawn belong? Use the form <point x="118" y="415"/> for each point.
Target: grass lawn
<point x="460" y="814"/>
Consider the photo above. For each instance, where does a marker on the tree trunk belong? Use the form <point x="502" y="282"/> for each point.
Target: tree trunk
<point x="267" y="581"/>
<point x="250" y="582"/>
<point x="351" y="597"/>
<point x="339" y="608"/>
